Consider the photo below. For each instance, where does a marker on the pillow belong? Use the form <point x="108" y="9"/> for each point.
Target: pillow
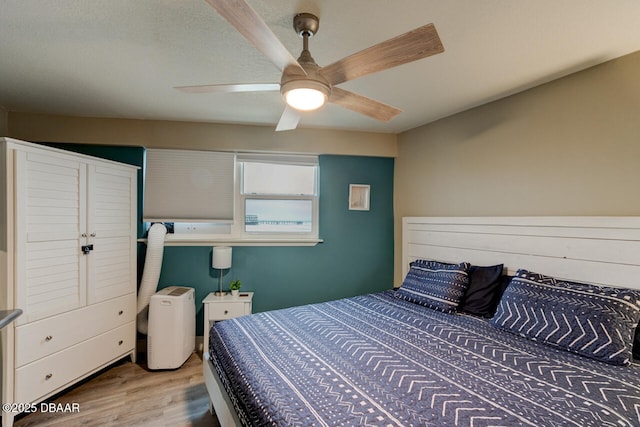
<point x="480" y="299"/>
<point x="434" y="284"/>
<point x="593" y="321"/>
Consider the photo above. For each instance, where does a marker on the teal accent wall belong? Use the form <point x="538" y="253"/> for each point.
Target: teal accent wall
<point x="355" y="258"/>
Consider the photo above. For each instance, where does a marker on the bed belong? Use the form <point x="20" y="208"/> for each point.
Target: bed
<point x="557" y="351"/>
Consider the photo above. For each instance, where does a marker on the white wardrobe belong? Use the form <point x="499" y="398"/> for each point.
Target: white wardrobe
<point x="68" y="260"/>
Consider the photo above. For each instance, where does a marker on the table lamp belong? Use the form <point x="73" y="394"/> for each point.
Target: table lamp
<point x="221" y="259"/>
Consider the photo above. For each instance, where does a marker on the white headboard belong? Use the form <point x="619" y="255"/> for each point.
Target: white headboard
<point x="601" y="250"/>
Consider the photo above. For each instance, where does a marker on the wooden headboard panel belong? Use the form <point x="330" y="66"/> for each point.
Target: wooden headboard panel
<point x="601" y="250"/>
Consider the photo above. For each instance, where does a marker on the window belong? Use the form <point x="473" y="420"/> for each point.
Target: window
<point x="252" y="199"/>
<point x="278" y="216"/>
<point x="278" y="195"/>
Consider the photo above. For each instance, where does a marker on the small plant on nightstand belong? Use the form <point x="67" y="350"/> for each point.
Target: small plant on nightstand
<point x="235" y="287"/>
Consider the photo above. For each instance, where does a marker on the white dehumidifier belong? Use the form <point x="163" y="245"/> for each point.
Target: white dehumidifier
<point x="171" y="336"/>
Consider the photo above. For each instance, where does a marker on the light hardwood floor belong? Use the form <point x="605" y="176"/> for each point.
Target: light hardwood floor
<point x="128" y="394"/>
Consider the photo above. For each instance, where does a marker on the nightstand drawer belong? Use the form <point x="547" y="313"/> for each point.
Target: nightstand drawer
<point x="226" y="311"/>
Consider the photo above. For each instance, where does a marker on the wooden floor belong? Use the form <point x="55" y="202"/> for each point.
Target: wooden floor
<point x="128" y="394"/>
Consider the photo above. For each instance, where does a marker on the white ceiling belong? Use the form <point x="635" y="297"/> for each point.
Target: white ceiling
<point x="122" y="58"/>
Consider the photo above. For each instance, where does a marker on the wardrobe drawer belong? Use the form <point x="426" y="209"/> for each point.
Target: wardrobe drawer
<point x="51" y="373"/>
<point x="44" y="337"/>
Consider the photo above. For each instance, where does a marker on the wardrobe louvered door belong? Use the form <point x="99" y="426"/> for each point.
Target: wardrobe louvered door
<point x="50" y="216"/>
<point x="112" y="262"/>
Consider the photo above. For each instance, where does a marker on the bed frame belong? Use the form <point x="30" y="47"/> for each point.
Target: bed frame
<point x="601" y="250"/>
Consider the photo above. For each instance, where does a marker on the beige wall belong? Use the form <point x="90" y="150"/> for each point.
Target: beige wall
<point x="569" y="147"/>
<point x="196" y="136"/>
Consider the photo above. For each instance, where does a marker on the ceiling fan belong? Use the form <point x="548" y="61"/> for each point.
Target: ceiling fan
<point x="304" y="85"/>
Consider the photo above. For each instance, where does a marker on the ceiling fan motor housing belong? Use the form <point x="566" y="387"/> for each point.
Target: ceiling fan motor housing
<point x="314" y="79"/>
<point x="306" y="25"/>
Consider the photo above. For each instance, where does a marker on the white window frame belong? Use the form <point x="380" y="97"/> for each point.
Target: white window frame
<point x="239" y="223"/>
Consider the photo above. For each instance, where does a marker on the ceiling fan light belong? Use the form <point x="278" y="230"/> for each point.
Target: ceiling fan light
<point x="305" y="99"/>
<point x="305" y="94"/>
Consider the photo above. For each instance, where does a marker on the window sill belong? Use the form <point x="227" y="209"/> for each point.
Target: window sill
<point x="194" y="240"/>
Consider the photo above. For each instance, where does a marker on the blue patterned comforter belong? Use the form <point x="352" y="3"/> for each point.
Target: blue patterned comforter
<point x="376" y="360"/>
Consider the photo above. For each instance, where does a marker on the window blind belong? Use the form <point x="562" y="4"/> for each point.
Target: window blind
<point x="188" y="186"/>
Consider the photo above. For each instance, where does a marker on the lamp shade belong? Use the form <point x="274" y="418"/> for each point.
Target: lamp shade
<point x="221" y="257"/>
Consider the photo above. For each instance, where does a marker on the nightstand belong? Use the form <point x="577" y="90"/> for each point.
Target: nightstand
<point x="222" y="308"/>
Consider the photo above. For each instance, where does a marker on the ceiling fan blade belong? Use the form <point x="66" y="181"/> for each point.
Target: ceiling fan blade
<point x="363" y="105"/>
<point x="242" y="87"/>
<point x="416" y="44"/>
<point x="289" y="119"/>
<point x="248" y="23"/>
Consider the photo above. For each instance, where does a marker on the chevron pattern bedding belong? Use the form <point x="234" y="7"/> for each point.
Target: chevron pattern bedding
<point x="434" y="284"/>
<point x="593" y="321"/>
<point x="378" y="360"/>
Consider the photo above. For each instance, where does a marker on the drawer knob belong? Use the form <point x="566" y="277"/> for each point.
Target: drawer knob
<point x="120" y="342"/>
<point x="226" y="312"/>
<point x="48" y="377"/>
<point x="48" y="338"/>
<point x="120" y="313"/>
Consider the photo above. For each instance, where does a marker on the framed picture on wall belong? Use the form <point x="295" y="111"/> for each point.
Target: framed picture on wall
<point x="359" y="197"/>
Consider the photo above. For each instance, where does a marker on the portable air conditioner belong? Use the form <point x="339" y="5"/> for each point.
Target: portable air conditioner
<point x="171" y="336"/>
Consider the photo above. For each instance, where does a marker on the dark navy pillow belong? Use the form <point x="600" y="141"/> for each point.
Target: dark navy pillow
<point x="593" y="321"/>
<point x="480" y="298"/>
<point x="434" y="284"/>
